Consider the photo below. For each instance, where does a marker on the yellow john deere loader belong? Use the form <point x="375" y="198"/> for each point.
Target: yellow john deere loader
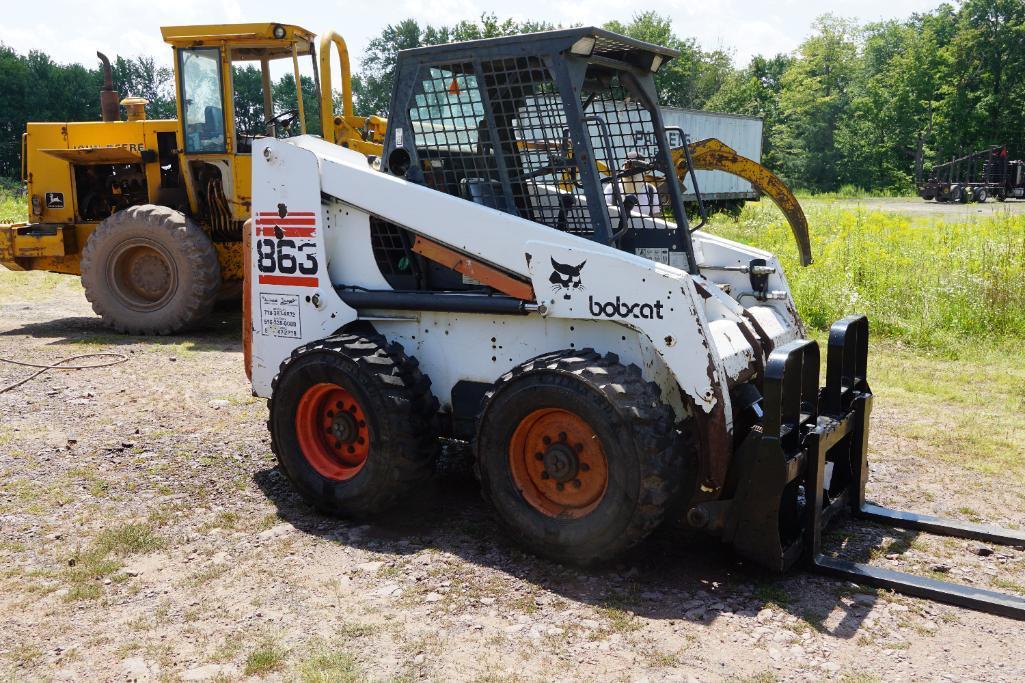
<point x="150" y="212"/>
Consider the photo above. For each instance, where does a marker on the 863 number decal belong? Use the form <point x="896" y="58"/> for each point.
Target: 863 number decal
<point x="286" y="257"/>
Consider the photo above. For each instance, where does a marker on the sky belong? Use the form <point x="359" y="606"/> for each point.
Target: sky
<point x="72" y="31"/>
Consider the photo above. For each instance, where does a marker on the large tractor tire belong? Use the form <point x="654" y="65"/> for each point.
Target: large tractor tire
<point x="150" y="270"/>
<point x="578" y="455"/>
<point x="352" y="424"/>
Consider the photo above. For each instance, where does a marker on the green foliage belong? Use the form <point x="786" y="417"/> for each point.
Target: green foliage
<point x="372" y="86"/>
<point x="873" y="105"/>
<point x="931" y="283"/>
<point x="689" y="80"/>
<point x="815" y="95"/>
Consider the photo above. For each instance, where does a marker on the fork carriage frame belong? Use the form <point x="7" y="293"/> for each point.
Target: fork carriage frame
<point x="813" y="444"/>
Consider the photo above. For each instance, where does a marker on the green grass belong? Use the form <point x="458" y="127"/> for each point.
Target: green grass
<point x="264" y="659"/>
<point x="102" y="558"/>
<point x="854" y="192"/>
<point x="936" y="284"/>
<point x="328" y="665"/>
<point x="13" y="205"/>
<point x="968" y="409"/>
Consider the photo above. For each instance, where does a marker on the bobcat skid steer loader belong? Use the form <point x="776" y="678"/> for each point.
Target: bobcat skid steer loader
<point x="497" y="276"/>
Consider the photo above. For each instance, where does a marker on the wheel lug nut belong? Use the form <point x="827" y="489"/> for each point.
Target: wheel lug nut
<point x="584" y="467"/>
<point x="539" y="456"/>
<point x="330" y="413"/>
<point x="560" y="486"/>
<point x="359" y="440"/>
<point x="576" y="483"/>
<point x="562" y="436"/>
<point x="338" y="444"/>
<point x="339" y="405"/>
<point x="544" y="474"/>
<point x="579" y="448"/>
<point x="547" y="440"/>
<point x="351" y="449"/>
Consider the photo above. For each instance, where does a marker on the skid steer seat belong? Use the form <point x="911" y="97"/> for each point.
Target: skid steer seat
<point x="483" y="191"/>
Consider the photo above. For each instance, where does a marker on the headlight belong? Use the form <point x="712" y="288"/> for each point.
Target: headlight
<point x="279" y="32"/>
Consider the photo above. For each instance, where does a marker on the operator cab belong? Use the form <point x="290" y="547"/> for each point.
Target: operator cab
<point x="562" y="128"/>
<point x="212" y="82"/>
<point x="223" y="106"/>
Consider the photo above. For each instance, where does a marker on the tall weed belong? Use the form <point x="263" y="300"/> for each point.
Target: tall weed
<point x="932" y="283"/>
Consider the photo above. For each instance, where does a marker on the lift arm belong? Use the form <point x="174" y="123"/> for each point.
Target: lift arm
<point x="714" y="155"/>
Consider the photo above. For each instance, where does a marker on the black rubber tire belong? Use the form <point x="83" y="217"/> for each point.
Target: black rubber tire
<point x="400" y="411"/>
<point x="637" y="433"/>
<point x="192" y="256"/>
<point x="981" y="195"/>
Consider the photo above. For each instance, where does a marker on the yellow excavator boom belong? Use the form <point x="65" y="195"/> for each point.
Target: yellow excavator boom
<point x="715" y="155"/>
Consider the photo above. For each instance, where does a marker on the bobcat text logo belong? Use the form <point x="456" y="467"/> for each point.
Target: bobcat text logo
<point x="565" y="277"/>
<point x="621" y="309"/>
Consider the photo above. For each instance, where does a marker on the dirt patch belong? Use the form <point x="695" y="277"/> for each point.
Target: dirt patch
<point x="148" y="535"/>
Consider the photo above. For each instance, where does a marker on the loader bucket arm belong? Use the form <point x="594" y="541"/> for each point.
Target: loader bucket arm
<point x="714" y="155"/>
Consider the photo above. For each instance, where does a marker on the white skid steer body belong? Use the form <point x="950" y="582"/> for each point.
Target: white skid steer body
<point x="313" y="201"/>
<point x="523" y="277"/>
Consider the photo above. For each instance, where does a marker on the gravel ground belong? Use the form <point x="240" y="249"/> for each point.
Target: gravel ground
<point x="919" y="208"/>
<point x="148" y="535"/>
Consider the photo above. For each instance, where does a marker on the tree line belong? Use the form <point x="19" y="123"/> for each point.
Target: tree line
<point x="855" y="104"/>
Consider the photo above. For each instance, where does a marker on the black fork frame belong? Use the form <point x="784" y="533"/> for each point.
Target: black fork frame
<point x="815" y="441"/>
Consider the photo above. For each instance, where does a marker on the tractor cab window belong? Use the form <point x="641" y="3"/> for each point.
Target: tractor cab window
<point x="266" y="99"/>
<point x="202" y="103"/>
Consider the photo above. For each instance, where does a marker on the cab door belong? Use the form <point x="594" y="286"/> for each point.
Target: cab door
<point x="205" y="110"/>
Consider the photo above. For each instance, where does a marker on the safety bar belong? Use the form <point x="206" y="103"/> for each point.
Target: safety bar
<point x="327" y="104"/>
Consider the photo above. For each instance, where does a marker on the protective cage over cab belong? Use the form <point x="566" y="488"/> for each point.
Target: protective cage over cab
<point x="562" y="128"/>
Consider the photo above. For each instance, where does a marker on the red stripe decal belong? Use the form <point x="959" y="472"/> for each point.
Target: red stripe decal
<point x="275" y="214"/>
<point x="295" y="280"/>
<point x="286" y="232"/>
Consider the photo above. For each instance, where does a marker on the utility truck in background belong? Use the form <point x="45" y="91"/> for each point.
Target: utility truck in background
<point x="514" y="272"/>
<point x="977" y="177"/>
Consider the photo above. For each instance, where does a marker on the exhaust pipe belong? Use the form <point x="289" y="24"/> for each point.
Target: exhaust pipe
<point x="109" y="108"/>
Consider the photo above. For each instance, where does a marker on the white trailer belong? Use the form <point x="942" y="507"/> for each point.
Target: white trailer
<point x="742" y="133"/>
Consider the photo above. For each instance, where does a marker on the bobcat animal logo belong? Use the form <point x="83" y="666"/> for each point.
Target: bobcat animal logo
<point x="566" y="278"/>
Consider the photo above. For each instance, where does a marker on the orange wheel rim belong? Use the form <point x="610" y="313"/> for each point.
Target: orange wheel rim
<point x="332" y="431"/>
<point x="558" y="464"/>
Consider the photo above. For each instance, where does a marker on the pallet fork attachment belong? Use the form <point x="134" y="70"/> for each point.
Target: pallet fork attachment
<point x="813" y="448"/>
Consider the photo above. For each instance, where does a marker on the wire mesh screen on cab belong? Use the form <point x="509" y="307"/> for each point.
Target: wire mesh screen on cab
<point x="496" y="133"/>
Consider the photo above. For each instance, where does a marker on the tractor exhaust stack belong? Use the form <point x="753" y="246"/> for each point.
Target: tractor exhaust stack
<point x="109" y="108"/>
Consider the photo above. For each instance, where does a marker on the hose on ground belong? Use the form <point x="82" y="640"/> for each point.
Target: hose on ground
<point x="118" y="358"/>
